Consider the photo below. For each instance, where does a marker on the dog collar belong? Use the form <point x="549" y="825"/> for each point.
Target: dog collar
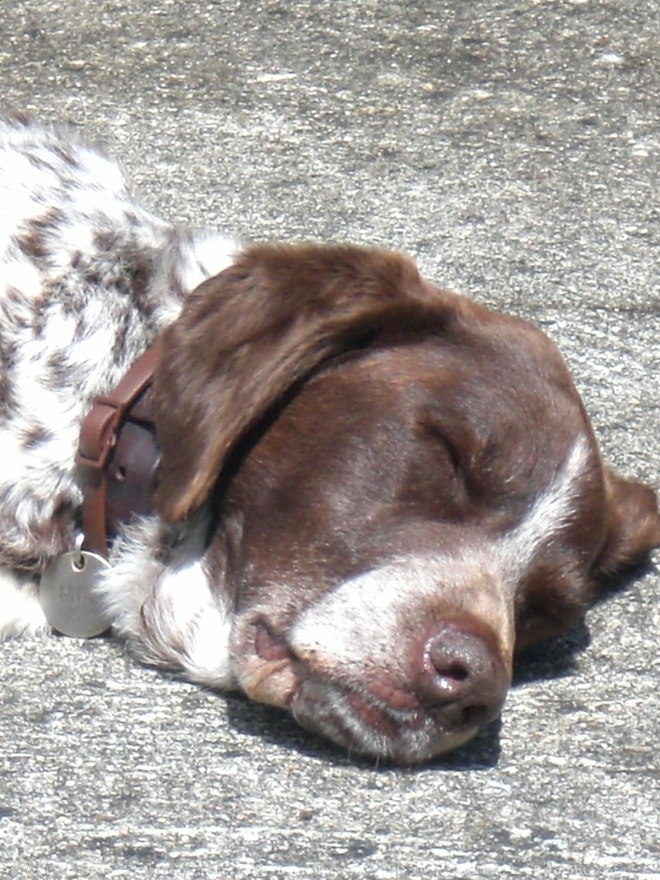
<point x="118" y="455"/>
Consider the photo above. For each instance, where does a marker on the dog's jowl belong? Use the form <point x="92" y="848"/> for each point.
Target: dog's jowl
<point x="346" y="491"/>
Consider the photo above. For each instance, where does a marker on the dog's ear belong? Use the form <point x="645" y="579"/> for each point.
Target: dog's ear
<point x="246" y="336"/>
<point x="633" y="523"/>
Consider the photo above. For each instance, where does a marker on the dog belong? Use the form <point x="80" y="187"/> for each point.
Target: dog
<point x="371" y="493"/>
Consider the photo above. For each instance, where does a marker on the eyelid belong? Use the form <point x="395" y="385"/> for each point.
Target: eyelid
<point x="449" y="445"/>
<point x="454" y="455"/>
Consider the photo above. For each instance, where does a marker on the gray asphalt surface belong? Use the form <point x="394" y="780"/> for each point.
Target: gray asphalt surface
<point x="514" y="148"/>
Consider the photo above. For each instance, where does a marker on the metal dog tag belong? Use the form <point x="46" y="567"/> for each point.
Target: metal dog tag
<point x="67" y="594"/>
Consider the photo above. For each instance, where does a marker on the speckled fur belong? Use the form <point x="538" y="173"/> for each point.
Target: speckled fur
<point x="87" y="279"/>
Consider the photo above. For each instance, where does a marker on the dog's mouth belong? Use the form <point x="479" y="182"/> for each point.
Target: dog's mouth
<point x="373" y="715"/>
<point x="357" y="720"/>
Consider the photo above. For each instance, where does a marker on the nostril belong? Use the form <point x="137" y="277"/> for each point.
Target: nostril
<point x="450" y="668"/>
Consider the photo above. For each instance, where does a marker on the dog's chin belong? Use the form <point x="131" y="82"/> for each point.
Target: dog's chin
<point x="358" y="721"/>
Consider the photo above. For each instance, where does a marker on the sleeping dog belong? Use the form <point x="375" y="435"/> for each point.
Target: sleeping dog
<point x="370" y="492"/>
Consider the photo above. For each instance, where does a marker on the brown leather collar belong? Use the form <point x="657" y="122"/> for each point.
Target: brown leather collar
<point x="118" y="455"/>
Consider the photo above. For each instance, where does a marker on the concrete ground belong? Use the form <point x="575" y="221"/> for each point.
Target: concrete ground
<point x="514" y="148"/>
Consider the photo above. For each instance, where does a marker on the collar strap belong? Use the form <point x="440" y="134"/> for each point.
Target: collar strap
<point x="118" y="454"/>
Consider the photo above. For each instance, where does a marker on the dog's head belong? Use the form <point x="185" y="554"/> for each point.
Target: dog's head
<point x="405" y="486"/>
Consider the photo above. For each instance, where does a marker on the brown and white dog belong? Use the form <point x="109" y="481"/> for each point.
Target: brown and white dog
<point x="372" y="492"/>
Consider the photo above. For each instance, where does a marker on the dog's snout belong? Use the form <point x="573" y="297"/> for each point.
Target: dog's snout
<point x="464" y="676"/>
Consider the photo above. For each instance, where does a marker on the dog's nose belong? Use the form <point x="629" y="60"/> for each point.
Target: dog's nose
<point x="464" y="676"/>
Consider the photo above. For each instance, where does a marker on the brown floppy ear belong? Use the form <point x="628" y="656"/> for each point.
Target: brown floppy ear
<point x="249" y="334"/>
<point x="633" y="523"/>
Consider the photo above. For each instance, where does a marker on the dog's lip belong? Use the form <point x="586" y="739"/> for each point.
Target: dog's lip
<point x="349" y="709"/>
<point x="269" y="644"/>
<point x="266" y="668"/>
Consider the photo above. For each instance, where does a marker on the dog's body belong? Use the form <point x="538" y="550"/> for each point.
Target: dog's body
<point x="371" y="490"/>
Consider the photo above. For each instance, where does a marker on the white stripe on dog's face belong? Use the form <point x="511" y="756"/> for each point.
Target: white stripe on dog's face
<point x="552" y="511"/>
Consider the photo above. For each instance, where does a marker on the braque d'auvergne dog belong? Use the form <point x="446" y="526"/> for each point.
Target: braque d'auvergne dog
<point x="332" y="484"/>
